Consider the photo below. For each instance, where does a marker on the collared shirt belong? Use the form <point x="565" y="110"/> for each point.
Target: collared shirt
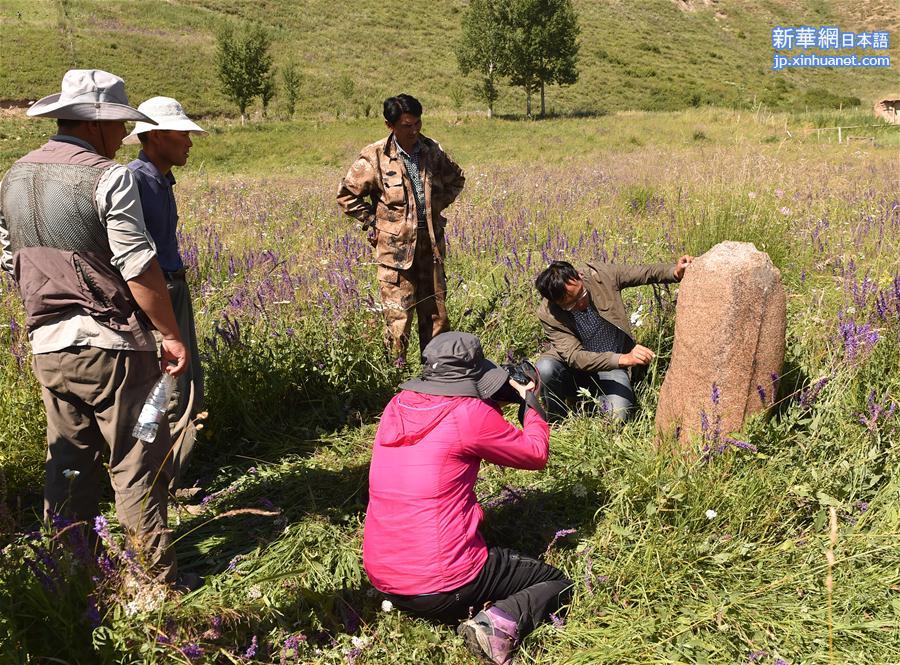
<point x="117" y="202"/>
<point x="596" y="333"/>
<point x="411" y="161"/>
<point x="160" y="210"/>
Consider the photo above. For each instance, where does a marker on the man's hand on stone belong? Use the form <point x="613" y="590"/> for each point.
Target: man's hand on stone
<point x="173" y="351"/>
<point x="682" y="263"/>
<point x="639" y="355"/>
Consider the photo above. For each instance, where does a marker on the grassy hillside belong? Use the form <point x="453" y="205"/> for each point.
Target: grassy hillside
<point x="650" y="55"/>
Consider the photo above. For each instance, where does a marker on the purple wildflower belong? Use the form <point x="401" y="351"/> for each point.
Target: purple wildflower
<point x="192" y="651"/>
<point x="761" y="392"/>
<point x="267" y="504"/>
<point x="809" y="396"/>
<point x="757" y="656"/>
<point x="251" y="650"/>
<point x="558" y="621"/>
<point x="714" y="394"/>
<point x="780" y="661"/>
<point x="101" y="527"/>
<point x="862" y="506"/>
<point x="858" y="339"/>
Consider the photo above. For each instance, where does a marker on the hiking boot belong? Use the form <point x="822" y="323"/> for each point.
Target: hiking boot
<point x="491" y="635"/>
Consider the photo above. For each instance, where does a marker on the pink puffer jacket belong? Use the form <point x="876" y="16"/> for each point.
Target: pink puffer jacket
<point x="421" y="532"/>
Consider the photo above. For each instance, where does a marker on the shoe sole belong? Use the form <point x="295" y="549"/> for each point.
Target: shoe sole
<point x="472" y="640"/>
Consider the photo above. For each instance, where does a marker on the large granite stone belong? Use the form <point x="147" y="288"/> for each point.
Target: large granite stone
<point x="729" y="343"/>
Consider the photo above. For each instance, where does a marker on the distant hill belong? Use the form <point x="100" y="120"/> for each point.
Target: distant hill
<point x="648" y="54"/>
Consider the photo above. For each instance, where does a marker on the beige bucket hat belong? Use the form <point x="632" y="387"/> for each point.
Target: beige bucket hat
<point x="88" y="94"/>
<point x="166" y="113"/>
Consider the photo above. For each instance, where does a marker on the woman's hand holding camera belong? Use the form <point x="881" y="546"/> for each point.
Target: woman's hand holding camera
<point x="520" y="388"/>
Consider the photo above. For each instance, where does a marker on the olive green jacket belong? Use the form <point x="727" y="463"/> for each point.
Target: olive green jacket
<point x="604" y="283"/>
<point x="377" y="191"/>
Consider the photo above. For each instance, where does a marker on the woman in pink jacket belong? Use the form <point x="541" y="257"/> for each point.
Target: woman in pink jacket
<point x="422" y="547"/>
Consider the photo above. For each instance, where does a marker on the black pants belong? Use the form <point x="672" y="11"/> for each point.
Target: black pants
<point x="525" y="588"/>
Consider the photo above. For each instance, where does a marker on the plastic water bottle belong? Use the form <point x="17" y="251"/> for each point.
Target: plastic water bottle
<point x="154" y="409"/>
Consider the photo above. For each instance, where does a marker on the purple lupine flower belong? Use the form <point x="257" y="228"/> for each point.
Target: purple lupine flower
<point x="757" y="655"/>
<point x="809" y="396"/>
<point x="862" y="506"/>
<point x="558" y="621"/>
<point x="192" y="651"/>
<point x="762" y="393"/>
<point x="714" y="394"/>
<point x="101" y="527"/>
<point x="780" y="661"/>
<point x="251" y="650"/>
<point x="743" y="445"/>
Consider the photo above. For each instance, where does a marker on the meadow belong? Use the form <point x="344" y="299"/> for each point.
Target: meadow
<point x="287" y="313"/>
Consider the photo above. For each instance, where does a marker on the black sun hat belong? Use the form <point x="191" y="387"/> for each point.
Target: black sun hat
<point x="453" y="364"/>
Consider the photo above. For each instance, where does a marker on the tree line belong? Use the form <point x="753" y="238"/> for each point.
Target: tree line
<point x="529" y="43"/>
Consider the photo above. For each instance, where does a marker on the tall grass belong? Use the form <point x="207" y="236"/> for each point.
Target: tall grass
<point x="287" y="309"/>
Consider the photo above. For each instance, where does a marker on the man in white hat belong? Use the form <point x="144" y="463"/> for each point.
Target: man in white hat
<point x="72" y="234"/>
<point x="166" y="143"/>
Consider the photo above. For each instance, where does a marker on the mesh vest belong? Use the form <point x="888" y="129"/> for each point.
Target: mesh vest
<point x="61" y="253"/>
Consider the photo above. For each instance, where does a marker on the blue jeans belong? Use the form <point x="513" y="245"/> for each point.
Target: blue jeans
<point x="560" y="382"/>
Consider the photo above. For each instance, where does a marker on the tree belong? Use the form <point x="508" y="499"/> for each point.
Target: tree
<point x="267" y="91"/>
<point x="244" y="63"/>
<point x="541" y="46"/>
<point x="483" y="47"/>
<point x="290" y="79"/>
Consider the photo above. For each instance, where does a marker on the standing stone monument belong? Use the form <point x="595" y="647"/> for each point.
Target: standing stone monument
<point x="729" y="343"/>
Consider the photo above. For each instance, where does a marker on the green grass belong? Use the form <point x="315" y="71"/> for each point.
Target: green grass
<point x="294" y="402"/>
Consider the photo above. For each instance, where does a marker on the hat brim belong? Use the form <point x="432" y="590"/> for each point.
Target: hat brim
<point x="181" y="125"/>
<point x="491" y="380"/>
<point x="51" y="107"/>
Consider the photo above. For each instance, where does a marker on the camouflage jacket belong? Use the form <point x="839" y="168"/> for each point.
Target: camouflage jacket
<point x="604" y="283"/>
<point x="377" y="191"/>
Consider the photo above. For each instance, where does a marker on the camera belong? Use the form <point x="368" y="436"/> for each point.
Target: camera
<point x="522" y="372"/>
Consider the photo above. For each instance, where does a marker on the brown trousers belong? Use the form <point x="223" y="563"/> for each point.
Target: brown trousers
<point x="187" y="398"/>
<point x="406" y="291"/>
<point x="93" y="397"/>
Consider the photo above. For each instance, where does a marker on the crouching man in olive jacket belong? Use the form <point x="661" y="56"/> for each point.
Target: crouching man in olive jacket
<point x="591" y="343"/>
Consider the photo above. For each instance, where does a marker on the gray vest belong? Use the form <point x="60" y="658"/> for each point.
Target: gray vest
<point x="61" y="253"/>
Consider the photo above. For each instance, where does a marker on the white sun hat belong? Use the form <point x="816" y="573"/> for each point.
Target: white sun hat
<point x="88" y="94"/>
<point x="167" y="113"/>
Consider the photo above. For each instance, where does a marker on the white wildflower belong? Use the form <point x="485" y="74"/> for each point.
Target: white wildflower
<point x="386" y="606"/>
<point x="360" y="642"/>
<point x="254" y="593"/>
<point x="637" y="317"/>
<point x="711" y="514"/>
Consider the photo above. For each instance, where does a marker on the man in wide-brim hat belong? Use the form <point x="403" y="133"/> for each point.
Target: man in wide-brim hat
<point x="73" y="236"/>
<point x="166" y="143"/>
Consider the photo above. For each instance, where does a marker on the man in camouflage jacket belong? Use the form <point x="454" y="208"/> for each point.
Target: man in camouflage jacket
<point x="397" y="189"/>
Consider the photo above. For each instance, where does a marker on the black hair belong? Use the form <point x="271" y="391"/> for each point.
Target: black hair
<point x="63" y="125"/>
<point x="551" y="283"/>
<point x="394" y="107"/>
